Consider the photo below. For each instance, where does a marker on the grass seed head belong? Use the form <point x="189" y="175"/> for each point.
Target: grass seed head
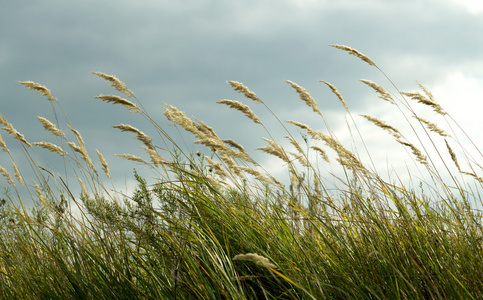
<point x="121" y="101"/>
<point x="115" y="83"/>
<point x="257" y="259"/>
<point x="305" y="96"/>
<point x="243" y="108"/>
<point x="336" y="92"/>
<point x="39" y="88"/>
<point x="355" y="52"/>
<point x="240" y="88"/>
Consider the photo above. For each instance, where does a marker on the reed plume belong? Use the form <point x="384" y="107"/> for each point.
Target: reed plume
<point x="243" y="108"/>
<point x="355" y="52"/>
<point x="115" y="83"/>
<point x="240" y="88"/>
<point x="39" y="88"/>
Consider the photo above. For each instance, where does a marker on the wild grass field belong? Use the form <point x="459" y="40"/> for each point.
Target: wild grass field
<point x="216" y="225"/>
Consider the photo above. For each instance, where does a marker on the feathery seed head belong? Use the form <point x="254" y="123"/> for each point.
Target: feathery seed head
<point x="305" y="96"/>
<point x="51" y="127"/>
<point x="51" y="147"/>
<point x="17" y="173"/>
<point x="243" y="108"/>
<point x="39" y="88"/>
<point x="336" y="92"/>
<point x="355" y="52"/>
<point x="105" y="166"/>
<point x="240" y="88"/>
<point x="6" y="175"/>
<point x="121" y="101"/>
<point x="383" y="94"/>
<point x="257" y="259"/>
<point x="141" y="136"/>
<point x="132" y="157"/>
<point x="115" y="83"/>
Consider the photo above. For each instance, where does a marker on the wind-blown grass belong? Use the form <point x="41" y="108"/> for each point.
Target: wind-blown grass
<point x="218" y="226"/>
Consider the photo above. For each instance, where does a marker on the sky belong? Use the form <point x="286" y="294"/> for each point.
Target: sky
<point x="183" y="52"/>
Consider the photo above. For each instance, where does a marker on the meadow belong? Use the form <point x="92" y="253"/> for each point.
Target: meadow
<point x="217" y="225"/>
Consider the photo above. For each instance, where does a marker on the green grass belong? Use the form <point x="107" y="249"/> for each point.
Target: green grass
<point x="190" y="234"/>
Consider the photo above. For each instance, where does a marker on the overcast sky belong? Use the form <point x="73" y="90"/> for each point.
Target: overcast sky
<point x="183" y="52"/>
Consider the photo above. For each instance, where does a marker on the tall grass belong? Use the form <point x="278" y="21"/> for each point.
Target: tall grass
<point x="218" y="226"/>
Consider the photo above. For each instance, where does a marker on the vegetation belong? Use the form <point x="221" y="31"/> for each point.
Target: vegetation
<point x="220" y="227"/>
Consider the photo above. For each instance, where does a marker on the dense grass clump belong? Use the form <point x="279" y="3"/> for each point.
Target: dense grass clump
<point x="218" y="226"/>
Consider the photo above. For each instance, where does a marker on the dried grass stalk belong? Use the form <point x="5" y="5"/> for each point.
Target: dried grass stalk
<point x="156" y="159"/>
<point x="121" y="101"/>
<point x="51" y="127"/>
<point x="105" y="166"/>
<point x="301" y="158"/>
<point x="141" y="136"/>
<point x="453" y="155"/>
<point x="234" y="144"/>
<point x="274" y="149"/>
<point x="40" y="193"/>
<point x="217" y="167"/>
<point x="322" y="152"/>
<point x="6" y="175"/>
<point x="178" y="117"/>
<point x="10" y="130"/>
<point x="132" y="157"/>
<point x="474" y="176"/>
<point x="51" y="147"/>
<point x="240" y="88"/>
<point x="383" y="94"/>
<point x="419" y="155"/>
<point x="426" y="101"/>
<point x="257" y="259"/>
<point x="305" y="96"/>
<point x="213" y="143"/>
<point x="17" y="173"/>
<point x="383" y="125"/>
<point x="83" y="152"/>
<point x="336" y="92"/>
<point x="78" y="136"/>
<point x="243" y="108"/>
<point x="205" y="130"/>
<point x="3" y="145"/>
<point x="232" y="166"/>
<point x="356" y="53"/>
<point x="115" y="83"/>
<point x="39" y="88"/>
<point x="433" y="127"/>
<point x="346" y="157"/>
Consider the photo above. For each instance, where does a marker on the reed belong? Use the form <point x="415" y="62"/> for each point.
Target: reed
<point x="216" y="225"/>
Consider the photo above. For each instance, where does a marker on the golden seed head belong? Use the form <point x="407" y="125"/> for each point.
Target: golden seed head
<point x="240" y="88"/>
<point x="257" y="259"/>
<point x="433" y="127"/>
<point x="51" y="127"/>
<point x="121" y="101"/>
<point x="39" y="88"/>
<point x="115" y="83"/>
<point x="6" y="175"/>
<point x="3" y="145"/>
<point x="305" y="96"/>
<point x="355" y="52"/>
<point x="105" y="166"/>
<point x="132" y="157"/>
<point x="141" y="136"/>
<point x="383" y="94"/>
<point x="51" y="147"/>
<point x="453" y="155"/>
<point x="336" y="92"/>
<point x="243" y="108"/>
<point x="17" y="173"/>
